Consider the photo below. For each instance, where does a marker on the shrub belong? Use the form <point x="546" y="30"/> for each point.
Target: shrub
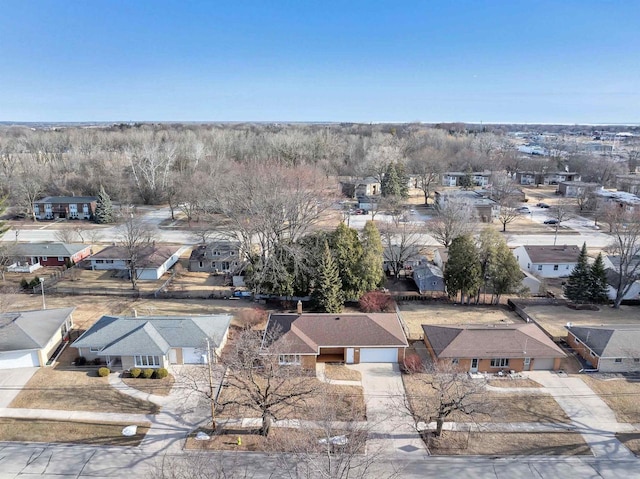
<point x="147" y="373"/>
<point x="103" y="372"/>
<point x="34" y="282"/>
<point x="135" y="372"/>
<point x="24" y="284"/>
<point x="376" y="302"/>
<point x="161" y="373"/>
<point x="412" y="364"/>
<point x="80" y="361"/>
<point x="97" y="362"/>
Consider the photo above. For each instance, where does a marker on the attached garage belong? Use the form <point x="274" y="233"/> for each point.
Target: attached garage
<point x="379" y="355"/>
<point x="543" y="364"/>
<point x="194" y="356"/>
<point x="19" y="359"/>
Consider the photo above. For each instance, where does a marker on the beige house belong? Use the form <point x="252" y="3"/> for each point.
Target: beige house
<point x="607" y="348"/>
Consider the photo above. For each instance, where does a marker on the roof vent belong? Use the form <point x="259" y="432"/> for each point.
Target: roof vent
<point x="337" y="319"/>
<point x="569" y="325"/>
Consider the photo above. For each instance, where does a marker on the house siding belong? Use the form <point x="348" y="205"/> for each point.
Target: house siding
<point x="608" y="365"/>
<point x="582" y="350"/>
<point x="308" y="362"/>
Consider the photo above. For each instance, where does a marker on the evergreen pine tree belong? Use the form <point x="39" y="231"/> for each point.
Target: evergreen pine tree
<point x="598" y="287"/>
<point x="403" y="180"/>
<point x="463" y="271"/>
<point x="104" y="208"/>
<point x="327" y="293"/>
<point x="466" y="181"/>
<point x="577" y="287"/>
<point x="390" y="185"/>
<point x="347" y="253"/>
<point x="504" y="271"/>
<point x="371" y="271"/>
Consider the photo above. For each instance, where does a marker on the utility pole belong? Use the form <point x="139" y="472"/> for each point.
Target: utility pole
<point x="44" y="305"/>
<point x="210" y="358"/>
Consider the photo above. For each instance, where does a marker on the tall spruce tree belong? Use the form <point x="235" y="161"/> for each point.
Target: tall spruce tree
<point x="579" y="282"/>
<point x="327" y="293"/>
<point x="403" y="180"/>
<point x="390" y="185"/>
<point x="371" y="271"/>
<point x="347" y="253"/>
<point x="463" y="271"/>
<point x="598" y="287"/>
<point x="104" y="208"/>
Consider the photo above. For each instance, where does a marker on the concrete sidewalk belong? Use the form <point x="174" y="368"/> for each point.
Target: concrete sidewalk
<point x="88" y="416"/>
<point x="592" y="417"/>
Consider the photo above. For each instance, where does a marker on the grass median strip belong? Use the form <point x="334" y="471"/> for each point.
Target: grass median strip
<point x="75" y="432"/>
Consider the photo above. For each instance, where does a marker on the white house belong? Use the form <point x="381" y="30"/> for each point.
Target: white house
<point x="612" y="266"/>
<point x="547" y="261"/>
<point x="478" y="178"/>
<point x="153" y="263"/>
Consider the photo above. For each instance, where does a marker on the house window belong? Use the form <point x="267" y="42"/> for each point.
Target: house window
<point x="109" y="261"/>
<point x="44" y="258"/>
<point x="99" y="261"/>
<point x="147" y="361"/>
<point x="617" y="360"/>
<point x="555" y="267"/>
<point x="200" y="264"/>
<point x="60" y="258"/>
<point x="636" y="360"/>
<point x="95" y="349"/>
<point x="233" y="253"/>
<point x="455" y="361"/>
<point x="577" y="341"/>
<point x="593" y="355"/>
<point x="289" y="359"/>
<point x="539" y="267"/>
<point x="225" y="265"/>
<point x="500" y="363"/>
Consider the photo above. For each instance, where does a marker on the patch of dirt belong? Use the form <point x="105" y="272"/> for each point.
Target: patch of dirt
<point x="509" y="444"/>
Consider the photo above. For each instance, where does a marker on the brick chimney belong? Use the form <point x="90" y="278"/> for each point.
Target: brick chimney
<point x="299" y="307"/>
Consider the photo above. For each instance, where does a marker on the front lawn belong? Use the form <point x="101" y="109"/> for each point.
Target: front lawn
<point x="508" y="444"/>
<point x="79" y="390"/>
<point x="158" y="387"/>
<point x="96" y="434"/>
<point x="341" y="372"/>
<point x="620" y="394"/>
<point x="507" y="383"/>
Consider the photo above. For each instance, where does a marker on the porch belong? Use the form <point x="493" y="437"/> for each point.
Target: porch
<point x="331" y="355"/>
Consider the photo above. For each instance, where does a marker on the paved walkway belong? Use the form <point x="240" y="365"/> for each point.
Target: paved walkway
<point x="392" y="429"/>
<point x="590" y="414"/>
<point x="90" y="416"/>
<point x="11" y="383"/>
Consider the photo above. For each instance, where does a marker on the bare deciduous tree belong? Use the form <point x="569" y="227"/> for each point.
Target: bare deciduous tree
<point x="562" y="211"/>
<point x="454" y="218"/>
<point x="136" y="237"/>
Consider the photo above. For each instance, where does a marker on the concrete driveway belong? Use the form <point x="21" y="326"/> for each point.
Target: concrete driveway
<point x="392" y="429"/>
<point x="11" y="383"/>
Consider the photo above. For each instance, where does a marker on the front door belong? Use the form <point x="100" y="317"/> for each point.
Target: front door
<point x="173" y="356"/>
<point x="474" y="366"/>
<point x="349" y="356"/>
<point x="527" y="364"/>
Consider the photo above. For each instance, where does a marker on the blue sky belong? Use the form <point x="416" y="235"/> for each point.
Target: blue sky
<point x="475" y="61"/>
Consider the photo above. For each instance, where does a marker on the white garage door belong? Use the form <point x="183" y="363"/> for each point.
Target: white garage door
<point x="543" y="364"/>
<point x="193" y="356"/>
<point x="379" y="355"/>
<point x="18" y="359"/>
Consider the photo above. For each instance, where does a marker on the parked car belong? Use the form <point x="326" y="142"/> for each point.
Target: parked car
<point x="524" y="209"/>
<point x="551" y="221"/>
<point x="542" y="205"/>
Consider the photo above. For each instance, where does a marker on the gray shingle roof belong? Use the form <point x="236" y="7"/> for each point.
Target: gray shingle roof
<point x="47" y="249"/>
<point x="619" y="341"/>
<point x="150" y="257"/>
<point x="491" y="341"/>
<point x="30" y="329"/>
<point x="425" y="275"/>
<point x="154" y="334"/>
<point x="67" y="199"/>
<point x="303" y="334"/>
<point x="552" y="254"/>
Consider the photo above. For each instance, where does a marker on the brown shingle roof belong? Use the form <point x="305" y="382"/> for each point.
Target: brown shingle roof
<point x="150" y="256"/>
<point x="553" y="254"/>
<point x="491" y="341"/>
<point x="304" y="334"/>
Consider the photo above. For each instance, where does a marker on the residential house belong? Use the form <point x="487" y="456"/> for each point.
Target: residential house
<point x="440" y="257"/>
<point x="546" y="178"/>
<point x="72" y="207"/>
<point x="573" y="189"/>
<point x="217" y="257"/>
<point x="608" y="349"/>
<point x="401" y="258"/>
<point x="352" y="338"/>
<point x="623" y="199"/>
<point x="491" y="348"/>
<point x="428" y="278"/>
<point x="357" y="188"/>
<point x="485" y="208"/>
<point x="31" y="338"/>
<point x="547" y="261"/>
<point x="154" y="341"/>
<point x="478" y="178"/>
<point x="628" y="183"/>
<point x="632" y="270"/>
<point x="153" y="260"/>
<point x="27" y="257"/>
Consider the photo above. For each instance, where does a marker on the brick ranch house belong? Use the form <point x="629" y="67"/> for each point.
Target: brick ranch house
<point x="607" y="348"/>
<point x="305" y="339"/>
<point x="72" y="207"/>
<point x="493" y="348"/>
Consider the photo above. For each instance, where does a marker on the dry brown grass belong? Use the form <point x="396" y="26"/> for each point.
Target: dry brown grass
<point x="514" y="383"/>
<point x="415" y="314"/>
<point x="553" y="319"/>
<point x="93" y="433"/>
<point x="620" y="394"/>
<point x="491" y="406"/>
<point x="347" y="403"/>
<point x="86" y="279"/>
<point x="508" y="444"/>
<point x="77" y="391"/>
<point x="631" y="440"/>
<point x="158" y="387"/>
<point x="341" y="372"/>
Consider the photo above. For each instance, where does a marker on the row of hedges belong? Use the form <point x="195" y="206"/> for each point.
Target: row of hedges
<point x="82" y="361"/>
<point x="148" y="373"/>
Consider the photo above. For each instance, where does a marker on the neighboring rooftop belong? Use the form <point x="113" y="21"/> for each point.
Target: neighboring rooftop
<point x="225" y="248"/>
<point x="491" y="341"/>
<point x="30" y="329"/>
<point x="151" y="256"/>
<point x="553" y="254"/>
<point x="46" y="249"/>
<point x="68" y="199"/>
<point x="619" y="341"/>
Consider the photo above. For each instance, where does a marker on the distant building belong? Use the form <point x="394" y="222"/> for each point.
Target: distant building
<point x="216" y="257"/>
<point x="28" y="257"/>
<point x="549" y="178"/>
<point x="613" y="348"/>
<point x="547" y="261"/>
<point x="71" y="207"/>
<point x="153" y="260"/>
<point x="453" y="178"/>
<point x="361" y="187"/>
<point x="621" y="198"/>
<point x="628" y="183"/>
<point x="573" y="189"/>
<point x="486" y="209"/>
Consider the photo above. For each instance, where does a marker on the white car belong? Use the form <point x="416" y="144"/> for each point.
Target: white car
<point x="524" y="209"/>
